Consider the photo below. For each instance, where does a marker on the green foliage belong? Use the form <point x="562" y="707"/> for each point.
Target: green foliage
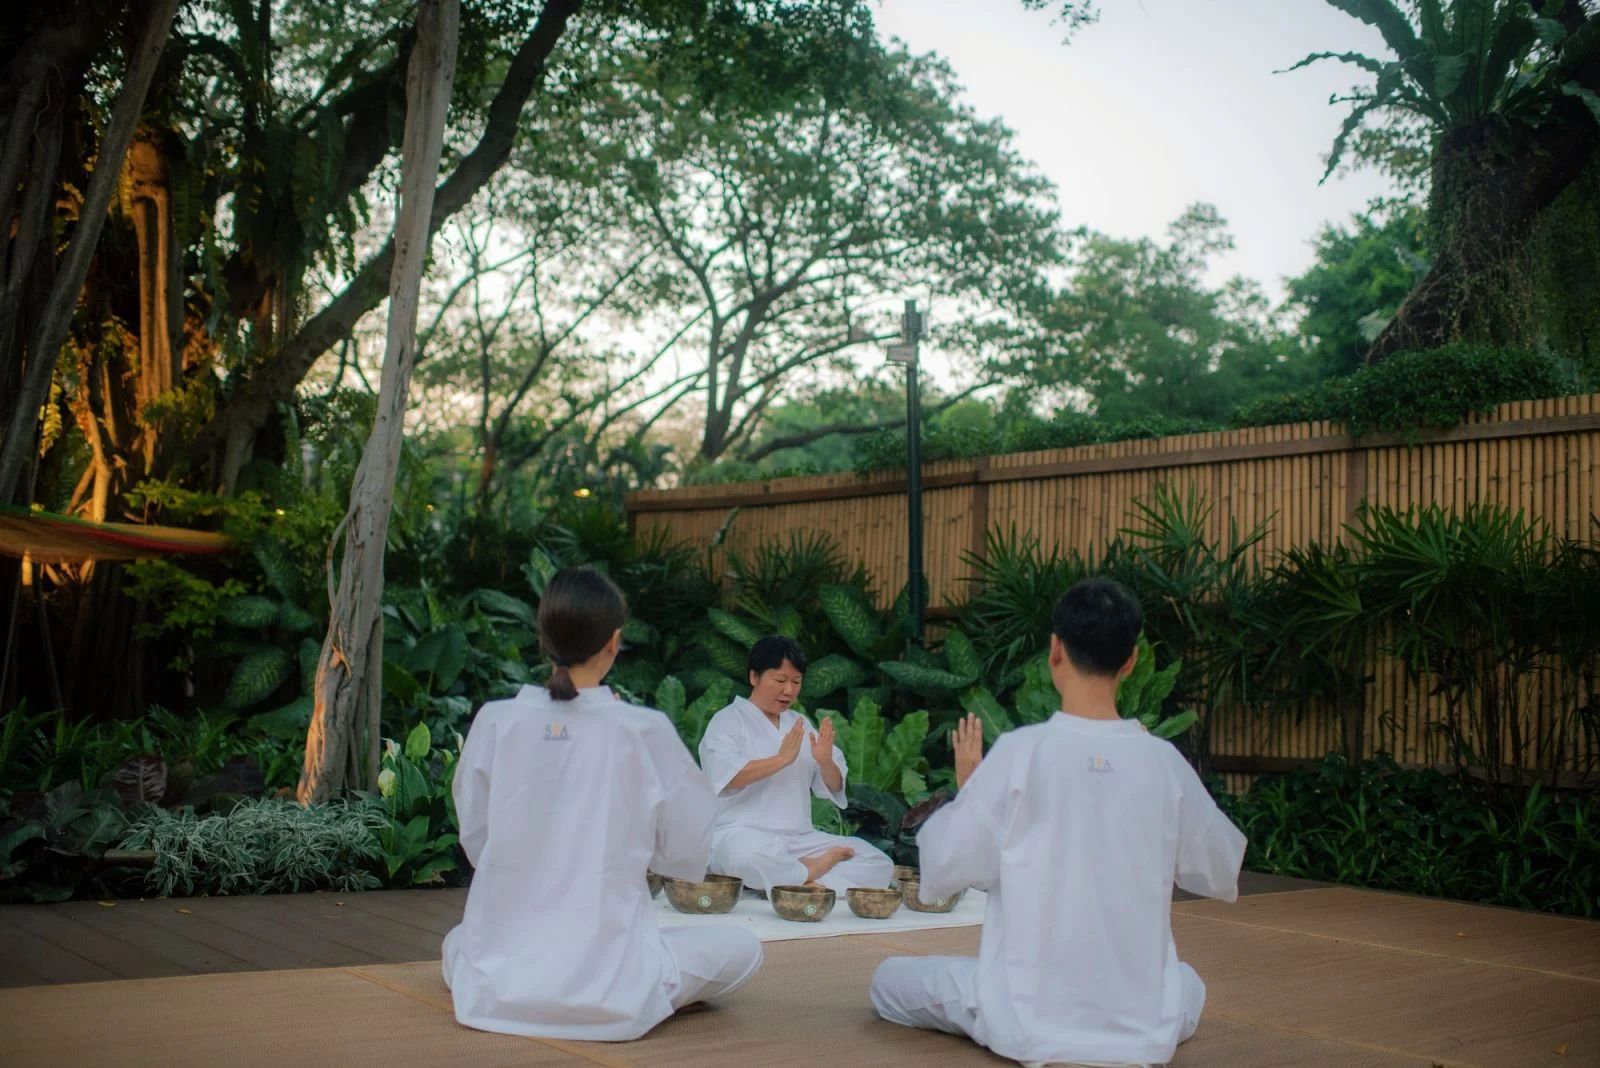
<point x="1421" y="832"/>
<point x="418" y="842"/>
<point x="1460" y="63"/>
<point x="51" y="847"/>
<point x="1414" y="390"/>
<point x="262" y="846"/>
<point x="1361" y="275"/>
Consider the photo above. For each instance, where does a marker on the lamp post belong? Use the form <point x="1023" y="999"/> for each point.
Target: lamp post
<point x="912" y="324"/>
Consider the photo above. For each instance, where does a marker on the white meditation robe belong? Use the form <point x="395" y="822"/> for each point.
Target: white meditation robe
<point x="764" y="829"/>
<point x="1077" y="829"/>
<point x="563" y="806"/>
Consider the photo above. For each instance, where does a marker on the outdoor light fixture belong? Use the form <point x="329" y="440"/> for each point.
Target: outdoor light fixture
<point x="583" y="491"/>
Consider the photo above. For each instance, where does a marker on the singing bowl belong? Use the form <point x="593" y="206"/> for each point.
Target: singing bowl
<point x="719" y="893"/>
<point x="902" y="874"/>
<point x="911" y="887"/>
<point x="804" y="904"/>
<point x="872" y="903"/>
<point x="655" y="882"/>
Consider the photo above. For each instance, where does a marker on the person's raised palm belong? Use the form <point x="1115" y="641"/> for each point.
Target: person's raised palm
<point x="822" y="743"/>
<point x="968" y="742"/>
<point x="789" y="748"/>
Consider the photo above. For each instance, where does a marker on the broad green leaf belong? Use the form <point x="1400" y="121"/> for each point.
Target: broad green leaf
<point x="1176" y="725"/>
<point x="636" y="632"/>
<point x="925" y="679"/>
<point x="728" y="658"/>
<point x="252" y="612"/>
<point x="733" y="628"/>
<point x="400" y="685"/>
<point x="260" y="672"/>
<point x="670" y="698"/>
<point x="830" y="674"/>
<point x="1037" y="699"/>
<point x="913" y="787"/>
<point x="278" y="566"/>
<point x="860" y="739"/>
<point x="505" y="606"/>
<point x="902" y="746"/>
<point x="963" y="657"/>
<point x="418" y="742"/>
<point x="981" y="703"/>
<point x="440" y="654"/>
<point x="294" y="619"/>
<point x="288" y="722"/>
<point x="852" y="618"/>
<point x="539" y="570"/>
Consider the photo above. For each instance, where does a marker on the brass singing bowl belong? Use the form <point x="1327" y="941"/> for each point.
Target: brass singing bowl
<point x="804" y="904"/>
<point x="873" y="903"/>
<point x="655" y="882"/>
<point x="902" y="874"/>
<point x="719" y="893"/>
<point x="911" y="887"/>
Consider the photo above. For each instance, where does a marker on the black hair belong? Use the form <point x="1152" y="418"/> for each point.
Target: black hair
<point x="1098" y="622"/>
<point x="579" y="612"/>
<point x="770" y="652"/>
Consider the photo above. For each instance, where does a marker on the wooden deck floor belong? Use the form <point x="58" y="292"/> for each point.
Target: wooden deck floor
<point x="1316" y="976"/>
<point x="89" y="941"/>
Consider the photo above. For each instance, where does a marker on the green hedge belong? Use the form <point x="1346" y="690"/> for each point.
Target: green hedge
<point x="1410" y="391"/>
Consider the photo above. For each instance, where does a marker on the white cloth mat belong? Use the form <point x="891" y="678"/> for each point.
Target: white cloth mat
<point x="755" y="913"/>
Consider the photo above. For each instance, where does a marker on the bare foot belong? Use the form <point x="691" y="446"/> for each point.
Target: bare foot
<point x="825" y="861"/>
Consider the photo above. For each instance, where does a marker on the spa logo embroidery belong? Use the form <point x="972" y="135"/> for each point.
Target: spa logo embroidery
<point x="556" y="732"/>
<point x="1099" y="763"/>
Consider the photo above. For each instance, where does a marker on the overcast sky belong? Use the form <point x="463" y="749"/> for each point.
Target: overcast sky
<point x="1163" y="103"/>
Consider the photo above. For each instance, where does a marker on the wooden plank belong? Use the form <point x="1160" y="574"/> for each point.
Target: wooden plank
<point x="28" y="960"/>
<point x="126" y="923"/>
<point x="54" y="924"/>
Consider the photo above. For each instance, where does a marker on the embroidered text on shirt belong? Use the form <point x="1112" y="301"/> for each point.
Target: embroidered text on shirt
<point x="556" y="732"/>
<point x="1099" y="763"/>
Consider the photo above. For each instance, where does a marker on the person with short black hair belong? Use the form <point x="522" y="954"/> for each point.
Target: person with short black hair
<point x="766" y="761"/>
<point x="1078" y="828"/>
<point x="565" y="797"/>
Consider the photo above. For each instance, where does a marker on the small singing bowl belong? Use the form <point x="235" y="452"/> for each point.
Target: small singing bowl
<point x="873" y="903"/>
<point x="914" y="902"/>
<point x="655" y="882"/>
<point x="719" y="893"/>
<point x="804" y="904"/>
<point x="902" y="874"/>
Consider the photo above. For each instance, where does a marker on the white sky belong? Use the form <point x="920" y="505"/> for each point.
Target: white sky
<point x="1163" y="103"/>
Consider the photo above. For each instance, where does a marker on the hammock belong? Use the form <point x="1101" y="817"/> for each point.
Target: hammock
<point x="47" y="538"/>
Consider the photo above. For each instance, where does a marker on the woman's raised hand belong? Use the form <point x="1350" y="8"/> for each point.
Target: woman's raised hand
<point x="789" y="748"/>
<point x="822" y="743"/>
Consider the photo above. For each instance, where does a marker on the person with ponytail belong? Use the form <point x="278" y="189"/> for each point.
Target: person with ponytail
<point x="565" y="797"/>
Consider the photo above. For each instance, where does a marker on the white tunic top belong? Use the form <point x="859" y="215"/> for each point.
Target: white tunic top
<point x="1077" y="829"/>
<point x="741" y="733"/>
<point x="563" y="805"/>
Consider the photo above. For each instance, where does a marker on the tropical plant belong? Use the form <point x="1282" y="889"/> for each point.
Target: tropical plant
<point x="261" y="846"/>
<point x="1504" y="95"/>
<point x="1418" y="831"/>
<point x="418" y="843"/>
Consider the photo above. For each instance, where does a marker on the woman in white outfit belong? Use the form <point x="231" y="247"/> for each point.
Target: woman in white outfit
<point x="765" y="762"/>
<point x="565" y="796"/>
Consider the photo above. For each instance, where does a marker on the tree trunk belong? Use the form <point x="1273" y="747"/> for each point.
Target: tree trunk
<point x="1485" y="197"/>
<point x="346" y="695"/>
<point x="18" y="444"/>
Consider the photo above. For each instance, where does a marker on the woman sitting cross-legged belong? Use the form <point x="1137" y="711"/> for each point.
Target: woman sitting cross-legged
<point x="765" y="761"/>
<point x="565" y="797"/>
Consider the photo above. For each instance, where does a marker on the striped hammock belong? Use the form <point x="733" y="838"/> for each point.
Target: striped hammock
<point x="47" y="538"/>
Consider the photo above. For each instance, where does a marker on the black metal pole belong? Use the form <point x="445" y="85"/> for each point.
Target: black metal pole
<point x="915" y="594"/>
